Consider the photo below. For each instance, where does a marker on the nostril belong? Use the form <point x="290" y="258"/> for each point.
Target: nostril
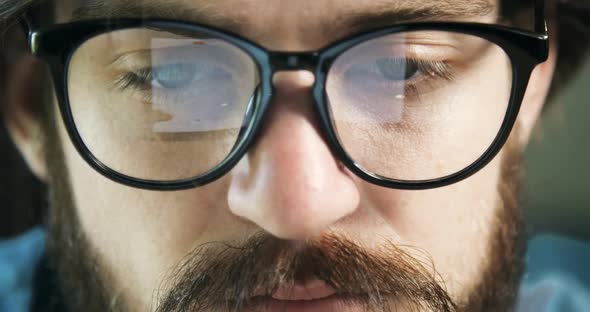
<point x="290" y="184"/>
<point x="297" y="208"/>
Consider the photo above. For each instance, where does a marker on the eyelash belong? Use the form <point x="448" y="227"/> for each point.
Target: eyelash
<point x="428" y="74"/>
<point x="440" y="69"/>
<point x="430" y="69"/>
<point x="140" y="79"/>
<point x="140" y="82"/>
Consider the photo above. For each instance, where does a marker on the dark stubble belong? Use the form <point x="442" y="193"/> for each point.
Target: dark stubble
<point x="238" y="275"/>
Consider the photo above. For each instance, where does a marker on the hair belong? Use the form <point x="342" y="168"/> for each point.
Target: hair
<point x="573" y="40"/>
<point x="9" y="8"/>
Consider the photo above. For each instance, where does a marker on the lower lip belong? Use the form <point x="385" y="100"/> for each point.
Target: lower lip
<point x="334" y="303"/>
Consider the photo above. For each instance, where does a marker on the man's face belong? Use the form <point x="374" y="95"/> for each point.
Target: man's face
<point x="305" y="233"/>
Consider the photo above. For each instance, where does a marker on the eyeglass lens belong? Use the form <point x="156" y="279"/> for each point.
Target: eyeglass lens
<point x="419" y="105"/>
<point x="157" y="105"/>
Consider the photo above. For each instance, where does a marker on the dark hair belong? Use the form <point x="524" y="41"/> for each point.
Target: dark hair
<point x="9" y="8"/>
<point x="572" y="23"/>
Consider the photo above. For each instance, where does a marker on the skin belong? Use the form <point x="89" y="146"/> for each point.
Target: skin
<point x="139" y="235"/>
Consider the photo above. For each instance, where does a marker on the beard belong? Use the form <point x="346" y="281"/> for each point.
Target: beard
<point x="242" y="275"/>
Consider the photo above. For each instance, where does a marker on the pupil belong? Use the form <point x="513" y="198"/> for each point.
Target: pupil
<point x="397" y="69"/>
<point x="175" y="75"/>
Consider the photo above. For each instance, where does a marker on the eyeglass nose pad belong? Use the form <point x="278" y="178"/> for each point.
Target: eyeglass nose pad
<point x="254" y="100"/>
<point x="257" y="100"/>
<point x="249" y="115"/>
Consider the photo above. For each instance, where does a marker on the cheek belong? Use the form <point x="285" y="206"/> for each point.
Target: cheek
<point x="449" y="226"/>
<point x="141" y="234"/>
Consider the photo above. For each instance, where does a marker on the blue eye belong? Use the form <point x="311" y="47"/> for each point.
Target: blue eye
<point x="397" y="69"/>
<point x="386" y="69"/>
<point x="175" y="76"/>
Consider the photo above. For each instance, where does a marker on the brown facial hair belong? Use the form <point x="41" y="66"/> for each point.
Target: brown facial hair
<point x="233" y="276"/>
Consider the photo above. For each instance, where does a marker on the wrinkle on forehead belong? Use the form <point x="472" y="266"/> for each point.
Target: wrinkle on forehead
<point x="336" y="9"/>
<point x="262" y="20"/>
<point x="445" y="8"/>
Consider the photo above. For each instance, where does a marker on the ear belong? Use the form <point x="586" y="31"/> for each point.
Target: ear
<point x="22" y="111"/>
<point x="536" y="94"/>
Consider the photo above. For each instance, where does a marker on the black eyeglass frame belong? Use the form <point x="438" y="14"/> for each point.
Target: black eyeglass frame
<point x="56" y="45"/>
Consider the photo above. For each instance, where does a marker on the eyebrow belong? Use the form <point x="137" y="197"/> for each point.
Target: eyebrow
<point x="352" y="20"/>
<point x="419" y="10"/>
<point x="173" y="10"/>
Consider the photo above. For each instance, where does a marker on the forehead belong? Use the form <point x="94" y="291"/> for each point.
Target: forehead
<point x="297" y="21"/>
<point x="264" y="6"/>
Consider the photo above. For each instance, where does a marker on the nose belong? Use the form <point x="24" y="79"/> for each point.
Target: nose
<point x="289" y="183"/>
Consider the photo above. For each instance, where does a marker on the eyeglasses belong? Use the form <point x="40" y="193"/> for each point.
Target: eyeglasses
<point x="169" y="105"/>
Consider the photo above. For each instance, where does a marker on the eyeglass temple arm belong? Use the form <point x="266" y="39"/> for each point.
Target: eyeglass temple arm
<point x="26" y="23"/>
<point x="30" y="18"/>
<point x="540" y="22"/>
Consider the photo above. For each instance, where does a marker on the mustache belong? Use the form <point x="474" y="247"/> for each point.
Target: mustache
<point x="233" y="277"/>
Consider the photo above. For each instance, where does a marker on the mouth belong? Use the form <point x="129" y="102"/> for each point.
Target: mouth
<point x="313" y="296"/>
<point x="311" y="290"/>
<point x="333" y="303"/>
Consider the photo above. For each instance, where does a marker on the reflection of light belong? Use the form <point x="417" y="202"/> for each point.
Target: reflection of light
<point x="194" y="118"/>
<point x="180" y="125"/>
<point x="400" y="97"/>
